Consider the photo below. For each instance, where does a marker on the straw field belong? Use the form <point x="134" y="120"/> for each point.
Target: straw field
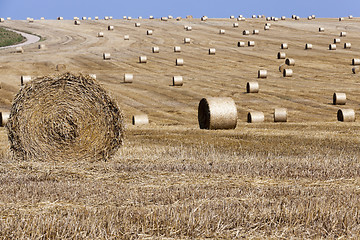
<point x="171" y="179"/>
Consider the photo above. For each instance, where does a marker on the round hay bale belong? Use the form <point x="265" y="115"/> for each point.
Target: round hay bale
<point x="96" y="18"/>
<point x="19" y="50"/>
<point x="106" y="18"/>
<point x="290" y="62"/>
<point x="221" y="31"/>
<point x="77" y="22"/>
<point x="24" y="79"/>
<point x="297" y="18"/>
<point x="111" y="28"/>
<point x="309" y="18"/>
<point x="188" y="28"/>
<point x="337" y="40"/>
<point x="350" y="17"/>
<point x="128" y="78"/>
<point x="341" y="19"/>
<point x="308" y="46"/>
<point x="84" y="18"/>
<point x="212" y="51"/>
<point x="232" y="17"/>
<point x="347" y="45"/>
<point x="124" y="17"/>
<point x="217" y="113"/>
<point x="339" y="98"/>
<point x="313" y="16"/>
<point x="293" y="16"/>
<point x="204" y="18"/>
<point x="281" y="55"/>
<point x="284" y="46"/>
<point x="255" y="117"/>
<point x="256" y="32"/>
<point x="177" y="49"/>
<point x="343" y="34"/>
<point x="241" y="44"/>
<point x="355" y="61"/>
<point x="178" y="18"/>
<point x="268" y="24"/>
<point x="4" y="118"/>
<point x="142" y="59"/>
<point x="149" y="32"/>
<point x="92" y="75"/>
<point x="64" y="118"/>
<point x="110" y="17"/>
<point x="253" y="16"/>
<point x="262" y="73"/>
<point x="31" y="20"/>
<point x="235" y="25"/>
<point x="355" y="70"/>
<point x="151" y="17"/>
<point x="164" y="19"/>
<point x="287" y="72"/>
<point x="179" y="62"/>
<point x="106" y="56"/>
<point x="276" y="19"/>
<point x="283" y="18"/>
<point x="187" y="40"/>
<point x="332" y="46"/>
<point x="177" y="80"/>
<point x="2" y="20"/>
<point x="129" y="18"/>
<point x="246" y="32"/>
<point x="60" y="18"/>
<point x="266" y="28"/>
<point x="141" y="119"/>
<point x="251" y="44"/>
<point x="280" y="115"/>
<point x="126" y="37"/>
<point x="252" y="87"/>
<point x="155" y="49"/>
<point x="42" y="46"/>
<point x="268" y="18"/>
<point x="170" y="17"/>
<point x="321" y="29"/>
<point x="346" y="115"/>
<point x="137" y="24"/>
<point x="100" y="34"/>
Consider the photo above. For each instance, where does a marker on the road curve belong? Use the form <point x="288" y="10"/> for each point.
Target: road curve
<point x="29" y="39"/>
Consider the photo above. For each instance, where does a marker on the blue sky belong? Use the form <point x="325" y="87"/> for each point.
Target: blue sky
<point x="50" y="9"/>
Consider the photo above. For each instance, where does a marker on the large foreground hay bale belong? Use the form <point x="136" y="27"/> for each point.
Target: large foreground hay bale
<point x="4" y="117"/>
<point x="66" y="117"/>
<point x="217" y="113"/>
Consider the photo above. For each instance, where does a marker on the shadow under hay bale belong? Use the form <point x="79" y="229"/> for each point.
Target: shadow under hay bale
<point x="64" y="118"/>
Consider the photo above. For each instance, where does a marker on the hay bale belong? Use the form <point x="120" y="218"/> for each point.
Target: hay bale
<point x="212" y="51"/>
<point x="77" y="22"/>
<point x="155" y="49"/>
<point x="151" y="17"/>
<point x="149" y="32"/>
<point x="337" y="40"/>
<point x="83" y="18"/>
<point x="355" y="70"/>
<point x="92" y="75"/>
<point x="42" y="46"/>
<point x="106" y="56"/>
<point x="24" y="79"/>
<point x="110" y="17"/>
<point x="283" y="18"/>
<point x="188" y="28"/>
<point x="262" y="73"/>
<point x="346" y="115"/>
<point x="187" y="40"/>
<point x="332" y="46"/>
<point x="141" y="119"/>
<point x="189" y="17"/>
<point x="126" y="37"/>
<point x="129" y="18"/>
<point x="293" y="16"/>
<point x="163" y="18"/>
<point x="8" y="18"/>
<point x="170" y="17"/>
<point x="308" y="46"/>
<point x="281" y="55"/>
<point x="232" y="17"/>
<point x="110" y="28"/>
<point x="251" y="44"/>
<point x="341" y="19"/>
<point x="4" y="118"/>
<point x="241" y="44"/>
<point x="235" y="25"/>
<point x="268" y="18"/>
<point x="142" y="59"/>
<point x="179" y="62"/>
<point x="276" y="19"/>
<point x="178" y="18"/>
<point x="256" y="32"/>
<point x="297" y="18"/>
<point x="313" y="16"/>
<point x="128" y="78"/>
<point x="217" y="113"/>
<point x="246" y="32"/>
<point x="31" y="20"/>
<point x="339" y="98"/>
<point x="280" y="115"/>
<point x="204" y="18"/>
<point x="355" y="61"/>
<point x="140" y="17"/>
<point x="64" y="118"/>
<point x="221" y="31"/>
<point x="350" y="17"/>
<point x="100" y="34"/>
<point x="252" y="87"/>
<point x="106" y="18"/>
<point x="266" y="27"/>
<point x="96" y="18"/>
<point x="60" y="67"/>
<point x="255" y="117"/>
<point x="124" y="17"/>
<point x="309" y="18"/>
<point x="177" y="49"/>
<point x="347" y="45"/>
<point x="60" y="18"/>
<point x="177" y="80"/>
<point x="284" y="46"/>
<point x="343" y="34"/>
<point x="268" y="24"/>
<point x="321" y="29"/>
<point x="287" y="72"/>
<point x="290" y="62"/>
<point x="2" y="20"/>
<point x="137" y="24"/>
<point x="19" y="50"/>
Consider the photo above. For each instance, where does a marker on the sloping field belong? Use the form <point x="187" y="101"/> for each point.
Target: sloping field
<point x="171" y="179"/>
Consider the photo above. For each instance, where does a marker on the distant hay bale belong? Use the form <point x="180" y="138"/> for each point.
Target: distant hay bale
<point x="140" y="17"/>
<point x="4" y="118"/>
<point x="347" y="45"/>
<point x="341" y="19"/>
<point x="355" y="61"/>
<point x="77" y="22"/>
<point x="83" y="18"/>
<point x="308" y="46"/>
<point x="106" y="18"/>
<point x="110" y="17"/>
<point x="235" y="25"/>
<point x="217" y="113"/>
<point x="2" y="20"/>
<point x="128" y="78"/>
<point x="346" y="115"/>
<point x="92" y="75"/>
<point x="313" y="16"/>
<point x="246" y="32"/>
<point x="221" y="31"/>
<point x="276" y="19"/>
<point x="253" y="16"/>
<point x="24" y="79"/>
<point x="106" y="56"/>
<point x="321" y="29"/>
<point x="179" y="62"/>
<point x="262" y="73"/>
<point x="149" y="32"/>
<point x="124" y="17"/>
<point x="287" y="72"/>
<point x="284" y="46"/>
<point x="19" y="50"/>
<point x="64" y="118"/>
<point x="177" y="80"/>
<point x="110" y="28"/>
<point x="297" y="18"/>
<point x="60" y="18"/>
<point x="212" y="51"/>
<point x="339" y="99"/>
<point x="141" y="119"/>
<point x="232" y="17"/>
<point x="177" y="49"/>
<point x="255" y="117"/>
<point x="268" y="18"/>
<point x="251" y="44"/>
<point x="96" y="18"/>
<point x="281" y="55"/>
<point x="170" y="17"/>
<point x="129" y="18"/>
<point x="188" y="28"/>
<point x="355" y="70"/>
<point x="252" y="87"/>
<point x="293" y="16"/>
<point x="60" y="67"/>
<point x="137" y="24"/>
<point x="350" y="17"/>
<point x="256" y="32"/>
<point x="76" y="18"/>
<point x="283" y="18"/>
<point x="189" y="17"/>
<point x="266" y="27"/>
<point x="332" y="46"/>
<point x="8" y="18"/>
<point x="100" y="34"/>
<point x="163" y="18"/>
<point x="241" y="44"/>
<point x="309" y="18"/>
<point x="42" y="46"/>
<point x="343" y="34"/>
<point x="337" y="40"/>
<point x="268" y="24"/>
<point x="31" y="20"/>
<point x="155" y="49"/>
<point x="290" y="62"/>
<point x="126" y="37"/>
<point x="142" y="59"/>
<point x="187" y="40"/>
<point x="151" y="17"/>
<point x="204" y="18"/>
<point x="280" y="115"/>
